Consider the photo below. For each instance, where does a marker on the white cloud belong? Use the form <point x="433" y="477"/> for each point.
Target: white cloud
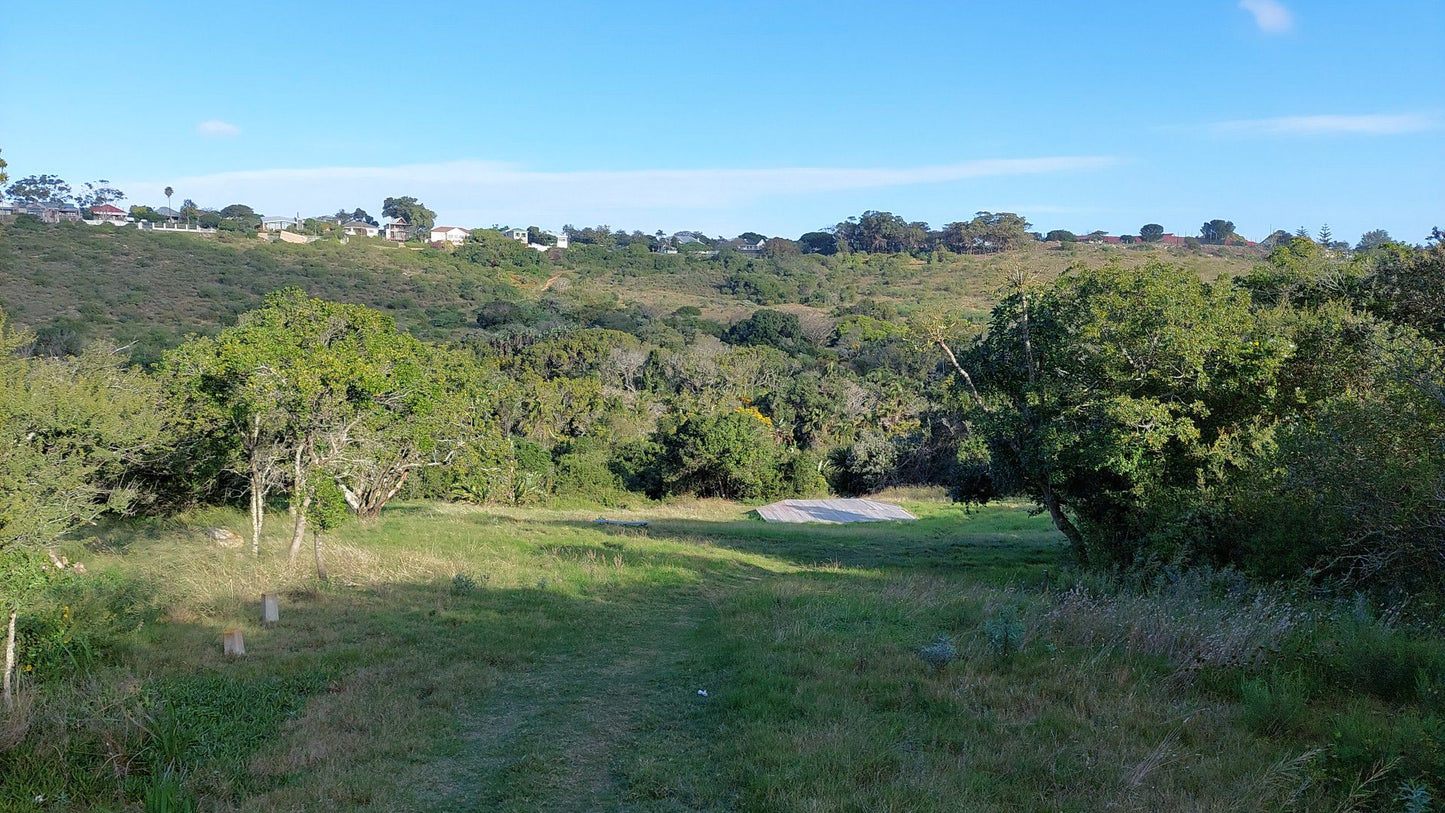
<point x="215" y="128"/>
<point x="1376" y="124"/>
<point x="484" y="192"/>
<point x="1270" y="15"/>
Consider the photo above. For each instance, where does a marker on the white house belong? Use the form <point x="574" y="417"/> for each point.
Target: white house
<point x="359" y="228"/>
<point x="520" y="235"/>
<point x="280" y="223"/>
<point x="456" y="235"/>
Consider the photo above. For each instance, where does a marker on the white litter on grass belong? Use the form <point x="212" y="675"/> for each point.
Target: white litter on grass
<point x="833" y="511"/>
<point x="702" y="692"/>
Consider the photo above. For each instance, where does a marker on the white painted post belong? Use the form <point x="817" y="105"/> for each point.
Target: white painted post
<point x="270" y="609"/>
<point x="233" y="642"/>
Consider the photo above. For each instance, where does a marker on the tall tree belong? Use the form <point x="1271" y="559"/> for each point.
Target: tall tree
<point x="437" y="407"/>
<point x="1107" y="391"/>
<point x="819" y="242"/>
<point x="882" y="232"/>
<point x="1216" y="232"/>
<point x="39" y="189"/>
<point x="986" y="233"/>
<point x="410" y="209"/>
<point x="169" y="192"/>
<point x="1151" y="232"/>
<point x="301" y="380"/>
<point x="1374" y="239"/>
<point x="97" y="193"/>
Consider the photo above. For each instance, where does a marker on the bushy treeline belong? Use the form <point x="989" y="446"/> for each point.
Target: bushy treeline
<point x="1291" y="422"/>
<point x="1288" y="421"/>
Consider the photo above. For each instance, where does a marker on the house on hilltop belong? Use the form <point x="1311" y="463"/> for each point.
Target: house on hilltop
<point x="456" y="235"/>
<point x="52" y="212"/>
<point x="359" y="228"/>
<point x="524" y="237"/>
<point x="280" y="224"/>
<point x="399" y="230"/>
<point x="105" y="213"/>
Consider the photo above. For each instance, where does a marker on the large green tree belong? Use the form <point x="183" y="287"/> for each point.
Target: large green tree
<point x="297" y="385"/>
<point x="1216" y="232"/>
<point x="1108" y="394"/>
<point x="987" y="233"/>
<point x="39" y="189"/>
<point x="882" y="232"/>
<point x="411" y="209"/>
<point x="437" y="407"/>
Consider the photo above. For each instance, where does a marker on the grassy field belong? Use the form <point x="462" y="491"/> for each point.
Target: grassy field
<point x="464" y="658"/>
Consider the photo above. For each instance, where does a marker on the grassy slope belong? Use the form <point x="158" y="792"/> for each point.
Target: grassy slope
<point x="568" y="678"/>
<point x="124" y="283"/>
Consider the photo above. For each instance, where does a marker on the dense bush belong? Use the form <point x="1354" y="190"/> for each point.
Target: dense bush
<point x="724" y="454"/>
<point x="1272" y="425"/>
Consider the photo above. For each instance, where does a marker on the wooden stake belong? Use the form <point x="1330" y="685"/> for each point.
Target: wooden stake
<point x="233" y="642"/>
<point x="270" y="609"/>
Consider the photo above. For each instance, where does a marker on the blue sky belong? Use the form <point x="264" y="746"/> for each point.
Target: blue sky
<point x="775" y="117"/>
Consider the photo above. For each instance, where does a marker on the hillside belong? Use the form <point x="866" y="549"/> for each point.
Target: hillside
<point x="76" y="283"/>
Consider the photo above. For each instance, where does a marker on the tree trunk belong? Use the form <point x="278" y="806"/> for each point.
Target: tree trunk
<point x="1063" y="523"/>
<point x="300" y="502"/>
<point x="10" y="662"/>
<point x="320" y="564"/>
<point x="258" y="509"/>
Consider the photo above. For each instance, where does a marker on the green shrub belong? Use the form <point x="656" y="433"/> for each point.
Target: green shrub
<point x="1365" y="655"/>
<point x="725" y="454"/>
<point x="1004" y="633"/>
<point x="1402" y="747"/>
<point x="1274" y="704"/>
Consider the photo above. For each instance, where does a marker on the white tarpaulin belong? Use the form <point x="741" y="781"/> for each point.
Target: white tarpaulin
<point x="833" y="511"/>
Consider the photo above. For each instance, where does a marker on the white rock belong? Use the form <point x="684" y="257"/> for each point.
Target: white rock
<point x="225" y="538"/>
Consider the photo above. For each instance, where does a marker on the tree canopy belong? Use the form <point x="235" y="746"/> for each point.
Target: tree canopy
<point x="410" y="209"/>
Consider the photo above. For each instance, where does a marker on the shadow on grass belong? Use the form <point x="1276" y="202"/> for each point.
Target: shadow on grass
<point x="988" y="552"/>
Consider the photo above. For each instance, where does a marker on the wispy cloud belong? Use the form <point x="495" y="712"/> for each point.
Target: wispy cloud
<point x="1270" y="15"/>
<point x="1374" y="124"/>
<point x="215" y="128"/>
<point x="481" y="192"/>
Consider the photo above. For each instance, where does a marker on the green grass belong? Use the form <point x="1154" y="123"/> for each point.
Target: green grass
<point x="465" y="658"/>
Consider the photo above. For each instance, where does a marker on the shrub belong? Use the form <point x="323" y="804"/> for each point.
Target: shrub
<point x="728" y="454"/>
<point x="1004" y="633"/>
<point x="1274" y="704"/>
<point x="940" y="653"/>
<point x="463" y="585"/>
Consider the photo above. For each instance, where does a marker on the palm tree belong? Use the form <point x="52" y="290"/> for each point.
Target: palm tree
<point x="169" y="192"/>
